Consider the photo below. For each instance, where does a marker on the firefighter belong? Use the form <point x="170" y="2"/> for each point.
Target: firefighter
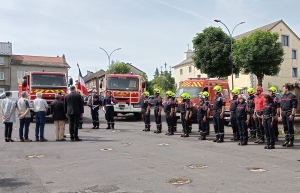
<point x="251" y="107"/>
<point x="202" y="117"/>
<point x="242" y="119"/>
<point x="189" y="121"/>
<point x="258" y="112"/>
<point x="218" y="114"/>
<point x="95" y="103"/>
<point x="184" y="109"/>
<point x="109" y="102"/>
<point x="157" y="110"/>
<point x="175" y="109"/>
<point x="207" y="102"/>
<point x="288" y="107"/>
<point x="276" y="100"/>
<point x="269" y="114"/>
<point x="168" y="109"/>
<point x="233" y="105"/>
<point x="146" y="110"/>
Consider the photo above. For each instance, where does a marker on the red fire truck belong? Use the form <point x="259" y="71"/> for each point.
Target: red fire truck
<point x="127" y="90"/>
<point x="48" y="83"/>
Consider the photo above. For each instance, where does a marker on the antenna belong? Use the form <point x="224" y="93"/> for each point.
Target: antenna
<point x="166" y="66"/>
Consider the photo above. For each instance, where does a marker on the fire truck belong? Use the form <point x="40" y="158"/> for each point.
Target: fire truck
<point x="48" y="83"/>
<point x="195" y="85"/>
<point x="127" y="90"/>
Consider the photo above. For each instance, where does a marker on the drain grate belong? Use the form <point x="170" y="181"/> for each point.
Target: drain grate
<point x="180" y="181"/>
<point x="197" y="166"/>
<point x="35" y="156"/>
<point x="106" y="149"/>
<point x="257" y="169"/>
<point x="163" y="144"/>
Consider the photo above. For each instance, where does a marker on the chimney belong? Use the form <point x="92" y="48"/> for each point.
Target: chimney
<point x="188" y="53"/>
<point x="64" y="58"/>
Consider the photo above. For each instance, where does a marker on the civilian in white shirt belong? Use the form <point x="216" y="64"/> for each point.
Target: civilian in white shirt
<point x="40" y="108"/>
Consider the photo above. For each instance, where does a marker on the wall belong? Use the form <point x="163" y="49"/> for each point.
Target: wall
<point x="16" y="68"/>
<point x="5" y="84"/>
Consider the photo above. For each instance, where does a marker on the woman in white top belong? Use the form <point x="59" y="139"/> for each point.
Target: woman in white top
<point x="8" y="115"/>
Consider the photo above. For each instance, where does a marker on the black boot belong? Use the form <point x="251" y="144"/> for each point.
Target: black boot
<point x="290" y="144"/>
<point x="113" y="126"/>
<point x="108" y="126"/>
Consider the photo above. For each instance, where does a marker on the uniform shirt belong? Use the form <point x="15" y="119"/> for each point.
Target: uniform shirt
<point x="276" y="101"/>
<point x="108" y="100"/>
<point x="22" y="105"/>
<point x="251" y="104"/>
<point x="233" y="103"/>
<point x="219" y="102"/>
<point x="157" y="101"/>
<point x="184" y="106"/>
<point x="269" y="109"/>
<point x="145" y="103"/>
<point x="207" y="102"/>
<point x="39" y="104"/>
<point x="96" y="103"/>
<point x="202" y="109"/>
<point x="259" y="102"/>
<point x="241" y="110"/>
<point x="175" y="102"/>
<point x="169" y="104"/>
<point x="288" y="101"/>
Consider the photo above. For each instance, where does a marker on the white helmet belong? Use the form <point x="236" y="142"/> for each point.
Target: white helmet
<point x="94" y="90"/>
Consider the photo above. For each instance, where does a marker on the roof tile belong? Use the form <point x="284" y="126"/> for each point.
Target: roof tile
<point x="40" y="61"/>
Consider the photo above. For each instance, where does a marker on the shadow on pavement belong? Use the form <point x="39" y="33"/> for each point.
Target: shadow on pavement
<point x="12" y="183"/>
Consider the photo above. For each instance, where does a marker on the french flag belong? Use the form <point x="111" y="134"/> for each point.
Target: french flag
<point x="80" y="84"/>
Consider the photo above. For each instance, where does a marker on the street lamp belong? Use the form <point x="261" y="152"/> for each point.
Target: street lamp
<point x="109" y="54"/>
<point x="219" y="21"/>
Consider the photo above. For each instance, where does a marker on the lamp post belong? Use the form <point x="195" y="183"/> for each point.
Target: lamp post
<point x="108" y="55"/>
<point x="219" y="21"/>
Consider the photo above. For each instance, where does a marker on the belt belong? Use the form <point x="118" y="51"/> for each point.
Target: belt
<point x="218" y="110"/>
<point x="288" y="111"/>
<point x="267" y="116"/>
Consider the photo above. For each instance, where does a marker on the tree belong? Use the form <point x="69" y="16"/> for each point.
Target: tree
<point x="212" y="52"/>
<point x="149" y="86"/>
<point x="260" y="54"/>
<point x="156" y="73"/>
<point x="118" y="67"/>
<point x="165" y="82"/>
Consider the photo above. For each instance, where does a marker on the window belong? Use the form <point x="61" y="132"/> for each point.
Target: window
<point x="2" y="90"/>
<point x="294" y="72"/>
<point x="190" y="69"/>
<point x="294" y="54"/>
<point x="198" y="76"/>
<point x="46" y="80"/>
<point x="285" y="40"/>
<point x="1" y="61"/>
<point x="237" y="75"/>
<point x="122" y="83"/>
<point x="1" y="75"/>
<point x="20" y="75"/>
<point x="181" y="72"/>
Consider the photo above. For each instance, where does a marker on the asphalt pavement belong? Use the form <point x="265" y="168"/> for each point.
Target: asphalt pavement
<point x="128" y="160"/>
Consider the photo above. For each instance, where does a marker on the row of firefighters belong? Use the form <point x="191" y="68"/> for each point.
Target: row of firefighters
<point x="259" y="113"/>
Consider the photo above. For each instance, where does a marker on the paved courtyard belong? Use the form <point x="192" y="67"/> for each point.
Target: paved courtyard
<point x="128" y="160"/>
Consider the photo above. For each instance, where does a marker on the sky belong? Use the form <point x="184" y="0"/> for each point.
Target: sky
<point x="150" y="33"/>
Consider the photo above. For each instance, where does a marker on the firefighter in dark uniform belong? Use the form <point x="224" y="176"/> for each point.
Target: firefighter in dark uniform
<point x="242" y="119"/>
<point x="157" y="110"/>
<point x="146" y="110"/>
<point x="288" y="107"/>
<point x="94" y="103"/>
<point x="251" y="107"/>
<point x="276" y="100"/>
<point x="175" y="106"/>
<point x="233" y="105"/>
<point x="189" y="121"/>
<point x="218" y="114"/>
<point x="168" y="109"/>
<point x="269" y="114"/>
<point x="184" y="108"/>
<point x="207" y="102"/>
<point x="202" y="117"/>
<point x="109" y="102"/>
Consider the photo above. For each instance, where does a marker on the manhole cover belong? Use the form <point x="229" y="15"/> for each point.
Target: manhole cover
<point x="163" y="144"/>
<point x="106" y="149"/>
<point x="197" y="166"/>
<point x="180" y="181"/>
<point x="257" y="169"/>
<point x="35" y="156"/>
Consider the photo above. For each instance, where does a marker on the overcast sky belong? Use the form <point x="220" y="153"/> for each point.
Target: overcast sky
<point x="150" y="32"/>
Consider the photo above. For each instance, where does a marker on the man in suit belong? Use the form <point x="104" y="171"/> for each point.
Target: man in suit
<point x="74" y="111"/>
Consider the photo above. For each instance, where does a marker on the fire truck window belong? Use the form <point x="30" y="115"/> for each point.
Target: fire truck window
<point x="193" y="91"/>
<point x="48" y="80"/>
<point x="123" y="83"/>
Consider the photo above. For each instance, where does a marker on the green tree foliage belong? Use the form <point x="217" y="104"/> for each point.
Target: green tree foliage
<point x="212" y="52"/>
<point x="260" y="54"/>
<point x="149" y="86"/>
<point x="165" y="82"/>
<point x="156" y="73"/>
<point x="118" y="67"/>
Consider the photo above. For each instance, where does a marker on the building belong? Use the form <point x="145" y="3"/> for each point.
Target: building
<point x="134" y="69"/>
<point x="20" y="64"/>
<point x="289" y="69"/>
<point x="93" y="80"/>
<point x="5" y="60"/>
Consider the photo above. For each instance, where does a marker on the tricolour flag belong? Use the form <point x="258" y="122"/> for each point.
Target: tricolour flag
<point x="80" y="84"/>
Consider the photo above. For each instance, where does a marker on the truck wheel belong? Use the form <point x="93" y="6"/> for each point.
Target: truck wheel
<point x="138" y="116"/>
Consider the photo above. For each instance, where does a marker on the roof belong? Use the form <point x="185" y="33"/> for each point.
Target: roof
<point x="135" y="67"/>
<point x="266" y="27"/>
<point x="40" y="61"/>
<point x="91" y="76"/>
<point x="187" y="61"/>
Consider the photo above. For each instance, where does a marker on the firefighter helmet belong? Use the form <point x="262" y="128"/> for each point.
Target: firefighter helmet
<point x="157" y="90"/>
<point x="218" y="88"/>
<point x="169" y="93"/>
<point x="206" y="94"/>
<point x="184" y="95"/>
<point x="273" y="89"/>
<point x="235" y="91"/>
<point x="146" y="93"/>
<point x="251" y="90"/>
